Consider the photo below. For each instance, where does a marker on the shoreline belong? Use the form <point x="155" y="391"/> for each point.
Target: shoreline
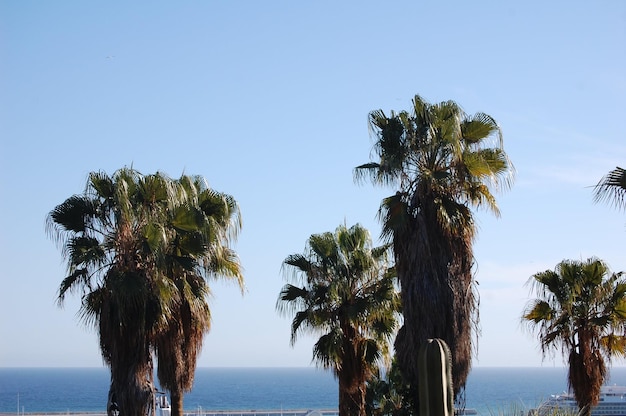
<point x="198" y="412"/>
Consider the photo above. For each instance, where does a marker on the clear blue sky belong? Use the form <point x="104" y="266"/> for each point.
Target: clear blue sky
<point x="269" y="102"/>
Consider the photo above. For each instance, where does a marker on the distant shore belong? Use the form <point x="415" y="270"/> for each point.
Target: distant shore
<point x="96" y="413"/>
<point x="73" y="413"/>
<point x="203" y="412"/>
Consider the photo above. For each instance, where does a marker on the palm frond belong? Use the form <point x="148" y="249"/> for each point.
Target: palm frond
<point x="480" y="126"/>
<point x="612" y="188"/>
<point x="394" y="213"/>
<point x="76" y="280"/>
<point x="85" y="251"/>
<point x="101" y="184"/>
<point x="328" y="350"/>
<point x="72" y="215"/>
<point x="299" y="262"/>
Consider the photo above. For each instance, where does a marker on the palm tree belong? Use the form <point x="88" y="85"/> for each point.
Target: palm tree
<point x="612" y="188"/>
<point x="134" y="245"/>
<point x="580" y="309"/>
<point x="203" y="246"/>
<point x="388" y="394"/>
<point x="111" y="268"/>
<point x="348" y="295"/>
<point x="178" y="346"/>
<point x="442" y="162"/>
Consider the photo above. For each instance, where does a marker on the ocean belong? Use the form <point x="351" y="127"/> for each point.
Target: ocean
<point x="489" y="390"/>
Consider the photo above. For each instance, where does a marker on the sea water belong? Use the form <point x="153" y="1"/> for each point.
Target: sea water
<point x="489" y="390"/>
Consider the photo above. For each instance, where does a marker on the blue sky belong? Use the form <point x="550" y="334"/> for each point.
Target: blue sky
<point x="269" y="102"/>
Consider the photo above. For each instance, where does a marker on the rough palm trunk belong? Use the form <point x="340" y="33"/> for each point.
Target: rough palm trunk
<point x="177" y="349"/>
<point x="587" y="372"/>
<point x="352" y="376"/>
<point x="131" y="393"/>
<point x="434" y="269"/>
<point x="126" y="349"/>
<point x="351" y="397"/>
<point x="176" y="397"/>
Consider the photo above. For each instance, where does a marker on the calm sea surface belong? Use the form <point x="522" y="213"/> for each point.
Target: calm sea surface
<point x="85" y="389"/>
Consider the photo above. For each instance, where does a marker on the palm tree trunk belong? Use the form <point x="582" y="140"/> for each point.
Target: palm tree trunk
<point x="351" y="376"/>
<point x="132" y="396"/>
<point x="587" y="372"/>
<point x="438" y="302"/>
<point x="132" y="385"/>
<point x="177" y="402"/>
<point x="351" y="397"/>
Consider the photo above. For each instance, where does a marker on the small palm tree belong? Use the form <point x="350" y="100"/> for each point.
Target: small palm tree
<point x="580" y="309"/>
<point x="441" y="162"/>
<point x="388" y="394"/>
<point x="612" y="188"/>
<point x="348" y="295"/>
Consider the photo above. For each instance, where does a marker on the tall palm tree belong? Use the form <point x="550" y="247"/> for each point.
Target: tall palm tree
<point x="581" y="310"/>
<point x="612" y="188"/>
<point x="199" y="251"/>
<point x="348" y="295"/>
<point x="111" y="268"/>
<point x="130" y="240"/>
<point x="441" y="162"/>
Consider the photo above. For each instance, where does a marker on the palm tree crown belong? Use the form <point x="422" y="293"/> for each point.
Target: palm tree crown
<point x="348" y="295"/>
<point x="441" y="161"/>
<point x="581" y="309"/>
<point x="138" y="249"/>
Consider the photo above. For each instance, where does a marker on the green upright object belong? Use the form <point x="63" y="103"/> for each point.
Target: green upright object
<point x="436" y="397"/>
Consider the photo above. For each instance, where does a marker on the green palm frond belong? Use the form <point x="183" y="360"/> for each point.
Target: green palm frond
<point x="612" y="188"/>
<point x="619" y="307"/>
<point x="72" y="215"/>
<point x="301" y="321"/>
<point x="454" y="217"/>
<point x="291" y="293"/>
<point x="156" y="189"/>
<point x="372" y="352"/>
<point x="91" y="308"/>
<point x="85" y="251"/>
<point x="540" y="311"/>
<point x="187" y="218"/>
<point x="300" y="262"/>
<point x="479" y="127"/>
<point x="155" y="235"/>
<point x="616" y="344"/>
<point x="76" y="280"/>
<point x="101" y="185"/>
<point x="324" y="247"/>
<point x="328" y="351"/>
<point x="395" y="215"/>
<point x="479" y="194"/>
